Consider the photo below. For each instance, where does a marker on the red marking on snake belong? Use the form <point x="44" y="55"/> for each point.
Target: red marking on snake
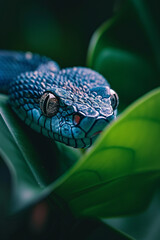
<point x="77" y="119"/>
<point x="96" y="133"/>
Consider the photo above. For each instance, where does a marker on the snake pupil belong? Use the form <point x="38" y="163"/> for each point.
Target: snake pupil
<point x="45" y="105"/>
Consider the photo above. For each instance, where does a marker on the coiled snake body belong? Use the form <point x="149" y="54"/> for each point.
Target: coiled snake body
<point x="70" y="105"/>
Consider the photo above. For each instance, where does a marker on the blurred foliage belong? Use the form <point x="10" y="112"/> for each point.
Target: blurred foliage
<point x="58" y="29"/>
<point x="144" y="226"/>
<point x="126" y="50"/>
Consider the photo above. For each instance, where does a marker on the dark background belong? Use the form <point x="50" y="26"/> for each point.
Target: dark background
<point x="59" y="29"/>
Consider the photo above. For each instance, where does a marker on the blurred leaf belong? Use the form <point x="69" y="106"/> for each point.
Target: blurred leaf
<point x="144" y="226"/>
<point x="33" y="161"/>
<point x="93" y="229"/>
<point x="119" y="174"/>
<point x="126" y="50"/>
<point x="23" y="173"/>
<point x="5" y="188"/>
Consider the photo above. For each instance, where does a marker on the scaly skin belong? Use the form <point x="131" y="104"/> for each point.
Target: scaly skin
<point x="83" y="97"/>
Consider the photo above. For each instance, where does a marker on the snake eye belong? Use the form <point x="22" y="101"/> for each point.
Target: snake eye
<point x="114" y="99"/>
<point x="49" y="104"/>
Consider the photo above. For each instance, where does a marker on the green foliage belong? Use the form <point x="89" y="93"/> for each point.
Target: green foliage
<point x="119" y="173"/>
<point x="126" y="51"/>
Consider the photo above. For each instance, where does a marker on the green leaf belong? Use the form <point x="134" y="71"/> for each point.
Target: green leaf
<point x="126" y="51"/>
<point x="92" y="229"/>
<point x="141" y="226"/>
<point x="119" y="174"/>
<point x="34" y="161"/>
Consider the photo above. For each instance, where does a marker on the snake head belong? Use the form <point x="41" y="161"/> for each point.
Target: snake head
<point x="72" y="106"/>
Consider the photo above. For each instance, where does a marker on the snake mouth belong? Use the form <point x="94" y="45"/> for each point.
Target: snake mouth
<point x="95" y="134"/>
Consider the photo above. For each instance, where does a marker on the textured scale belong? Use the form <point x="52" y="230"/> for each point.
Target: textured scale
<point x="84" y="97"/>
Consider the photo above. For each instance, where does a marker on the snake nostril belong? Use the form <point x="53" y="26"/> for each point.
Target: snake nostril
<point x="95" y="134"/>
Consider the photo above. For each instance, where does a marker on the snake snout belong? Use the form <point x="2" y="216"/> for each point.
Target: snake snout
<point x="97" y="127"/>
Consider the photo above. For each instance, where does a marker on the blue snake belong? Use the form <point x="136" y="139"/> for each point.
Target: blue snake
<point x="71" y="105"/>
